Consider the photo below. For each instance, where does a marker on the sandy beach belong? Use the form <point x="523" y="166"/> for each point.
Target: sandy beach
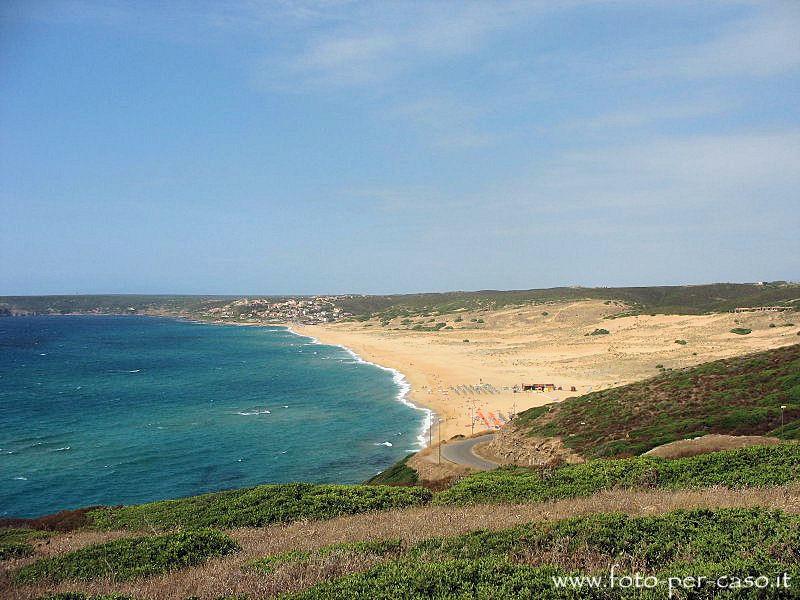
<point x="544" y="344"/>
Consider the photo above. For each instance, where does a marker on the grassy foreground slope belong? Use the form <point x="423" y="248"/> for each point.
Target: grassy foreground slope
<point x="375" y="556"/>
<point x="130" y="558"/>
<point x="259" y="506"/>
<point x="755" y="466"/>
<point x="528" y="560"/>
<point x="738" y="396"/>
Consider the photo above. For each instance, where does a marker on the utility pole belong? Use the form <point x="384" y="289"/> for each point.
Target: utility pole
<point x="472" y="419"/>
<point x="783" y="407"/>
<point x="439" y="433"/>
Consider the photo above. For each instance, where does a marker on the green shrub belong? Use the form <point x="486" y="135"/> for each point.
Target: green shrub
<point x="752" y="466"/>
<point x="128" y="558"/>
<point x="486" y="564"/>
<point x="398" y="474"/>
<point x="741" y="330"/>
<point x="14" y="543"/>
<point x="259" y="506"/>
<point x="681" y="342"/>
<point x="599" y="332"/>
<point x="736" y="396"/>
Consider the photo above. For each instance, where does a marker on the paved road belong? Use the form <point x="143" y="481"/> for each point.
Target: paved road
<point x="460" y="452"/>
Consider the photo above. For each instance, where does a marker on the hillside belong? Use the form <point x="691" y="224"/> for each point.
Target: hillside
<point x="680" y="299"/>
<point x="509" y="533"/>
<point x="732" y="513"/>
<point x="740" y="396"/>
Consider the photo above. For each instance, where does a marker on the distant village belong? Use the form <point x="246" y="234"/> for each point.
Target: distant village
<point x="311" y="310"/>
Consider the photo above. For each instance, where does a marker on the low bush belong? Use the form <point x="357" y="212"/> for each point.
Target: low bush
<point x="522" y="562"/>
<point x="743" y="467"/>
<point x="734" y="396"/>
<point x="741" y="330"/>
<point x="15" y="543"/>
<point x="398" y="474"/>
<point x="129" y="558"/>
<point x="259" y="506"/>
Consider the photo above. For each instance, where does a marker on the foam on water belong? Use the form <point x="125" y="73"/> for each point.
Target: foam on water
<point x="134" y="409"/>
<point x="404" y="388"/>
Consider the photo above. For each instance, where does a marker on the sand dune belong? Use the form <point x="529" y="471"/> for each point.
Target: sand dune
<point x="524" y="345"/>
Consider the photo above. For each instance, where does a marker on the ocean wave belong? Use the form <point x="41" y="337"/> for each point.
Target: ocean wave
<point x="399" y="380"/>
<point x="63" y="448"/>
<point x="249" y="413"/>
<point x="387" y="444"/>
<point x="21" y="478"/>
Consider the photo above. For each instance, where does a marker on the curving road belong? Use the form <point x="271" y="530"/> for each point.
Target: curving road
<point x="460" y="452"/>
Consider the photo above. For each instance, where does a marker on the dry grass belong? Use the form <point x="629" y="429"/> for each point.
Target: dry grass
<point x="710" y="443"/>
<point x="225" y="575"/>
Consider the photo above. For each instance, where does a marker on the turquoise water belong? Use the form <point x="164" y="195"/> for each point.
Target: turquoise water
<point x="117" y="410"/>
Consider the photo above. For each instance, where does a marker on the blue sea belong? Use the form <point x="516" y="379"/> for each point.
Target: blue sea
<point x="118" y="410"/>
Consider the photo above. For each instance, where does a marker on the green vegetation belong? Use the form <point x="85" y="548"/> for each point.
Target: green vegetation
<point x="259" y="506"/>
<point x="15" y="543"/>
<point x="694" y="299"/>
<point x="520" y="562"/>
<point x="599" y="332"/>
<point x="741" y="330"/>
<point x="398" y="474"/>
<point x="752" y="466"/>
<point x="112" y="304"/>
<point x="738" y="396"/>
<point x="129" y="558"/>
<point x="681" y="342"/>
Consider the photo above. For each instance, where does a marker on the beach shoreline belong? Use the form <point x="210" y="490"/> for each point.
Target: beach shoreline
<point x="428" y="385"/>
<point x="399" y="379"/>
<point x="467" y="374"/>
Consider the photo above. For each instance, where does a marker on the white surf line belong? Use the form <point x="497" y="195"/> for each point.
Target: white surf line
<point x="399" y="380"/>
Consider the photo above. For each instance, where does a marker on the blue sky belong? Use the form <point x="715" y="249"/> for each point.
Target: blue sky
<point x="334" y="146"/>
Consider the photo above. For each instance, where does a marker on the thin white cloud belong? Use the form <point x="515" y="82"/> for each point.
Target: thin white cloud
<point x="700" y="172"/>
<point x="643" y="114"/>
<point x="764" y="44"/>
<point x="379" y="41"/>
